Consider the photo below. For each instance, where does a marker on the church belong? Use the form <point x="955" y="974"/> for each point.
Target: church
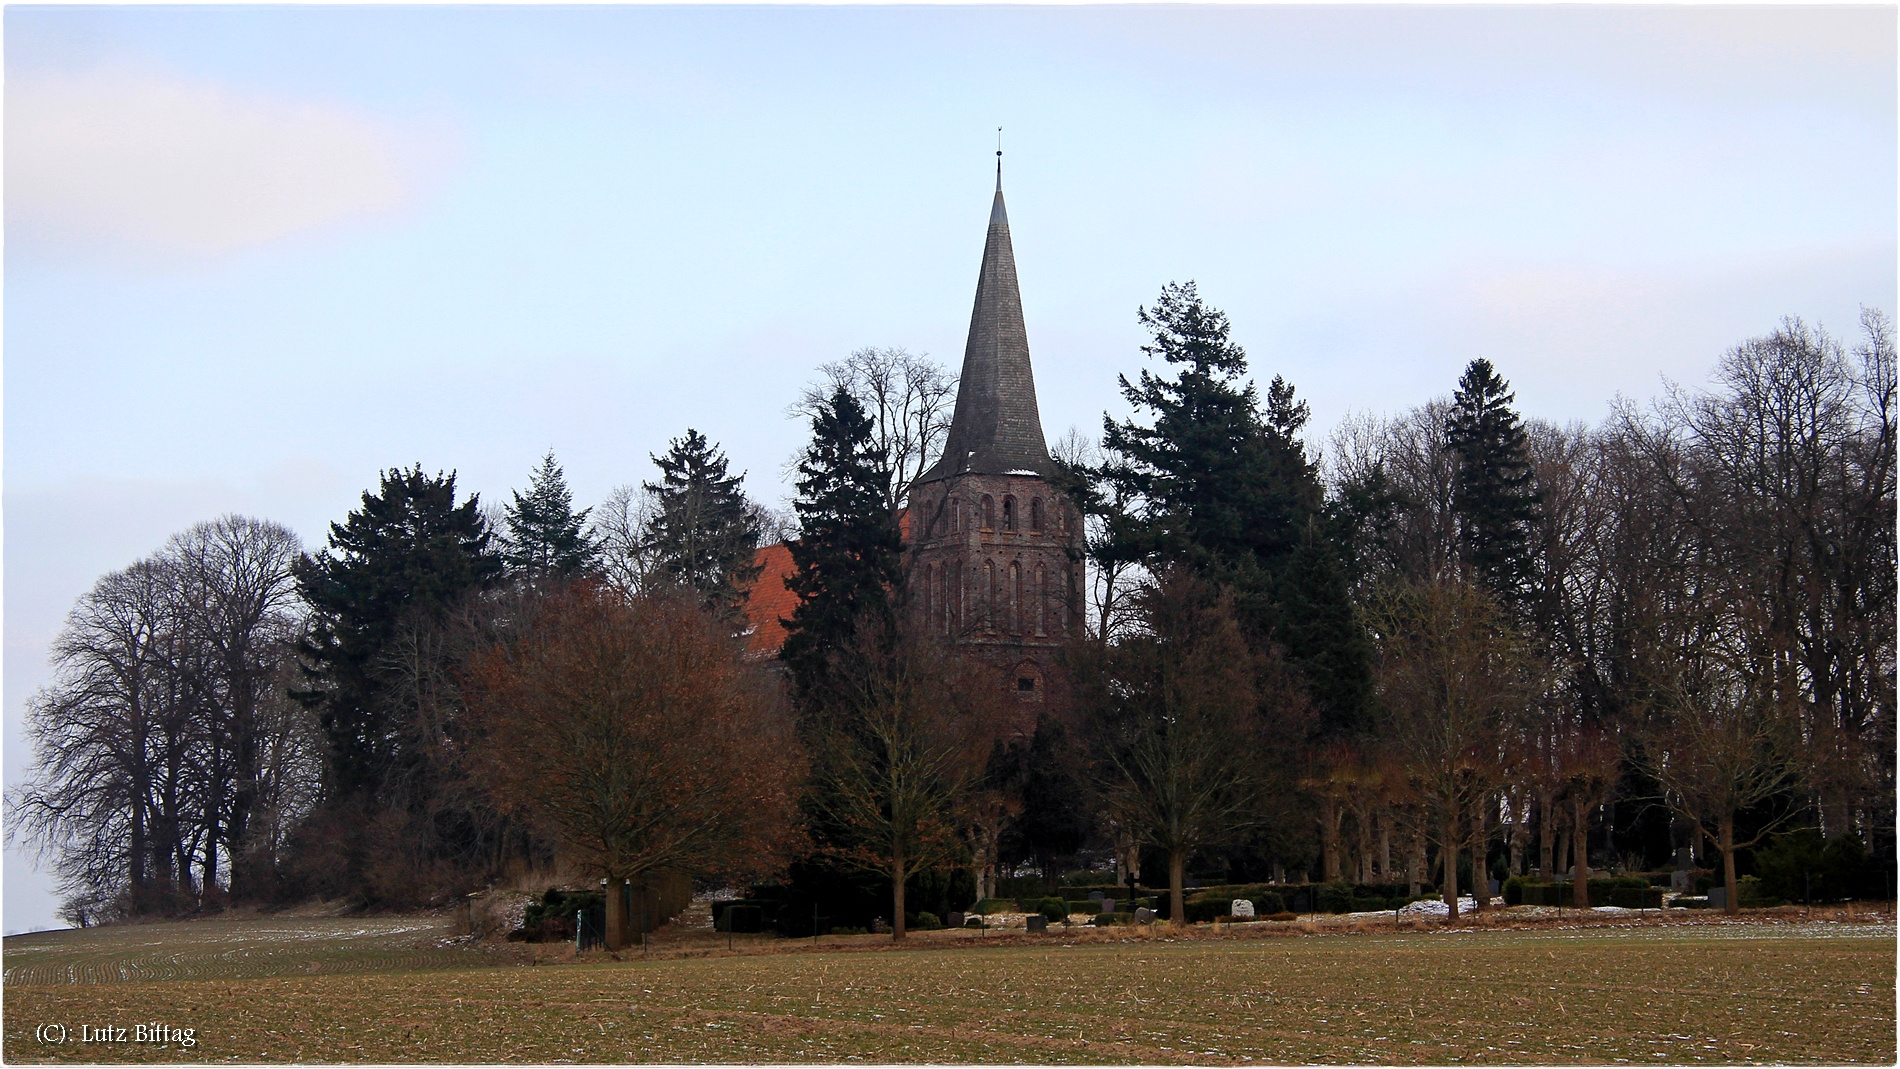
<point x="993" y="549"/>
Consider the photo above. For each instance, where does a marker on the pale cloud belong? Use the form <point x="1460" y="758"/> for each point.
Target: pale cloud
<point x="129" y="160"/>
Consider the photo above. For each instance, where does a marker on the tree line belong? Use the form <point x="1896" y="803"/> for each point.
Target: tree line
<point x="1452" y="643"/>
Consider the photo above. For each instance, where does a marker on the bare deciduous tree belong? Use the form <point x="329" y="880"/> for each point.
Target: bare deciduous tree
<point x="909" y="398"/>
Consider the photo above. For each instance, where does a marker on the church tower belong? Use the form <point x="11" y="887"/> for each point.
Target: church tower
<point x="996" y="549"/>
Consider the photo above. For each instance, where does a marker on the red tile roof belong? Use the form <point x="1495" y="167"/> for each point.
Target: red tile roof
<point x="769" y="601"/>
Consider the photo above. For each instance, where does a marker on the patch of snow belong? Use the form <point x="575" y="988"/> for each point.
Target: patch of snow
<point x="1022" y="471"/>
<point x="1435" y="907"/>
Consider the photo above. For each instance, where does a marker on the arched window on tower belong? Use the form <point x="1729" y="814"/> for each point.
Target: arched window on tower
<point x="953" y="515"/>
<point x="989" y="593"/>
<point x="1035" y="514"/>
<point x="989" y="513"/>
<point x="1009" y="513"/>
<point x="955" y="596"/>
<point x="1042" y="600"/>
<point x="1015" y="597"/>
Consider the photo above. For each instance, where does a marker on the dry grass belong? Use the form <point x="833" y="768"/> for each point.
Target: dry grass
<point x="1796" y="991"/>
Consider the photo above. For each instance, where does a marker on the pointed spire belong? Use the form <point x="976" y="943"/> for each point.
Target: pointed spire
<point x="996" y="428"/>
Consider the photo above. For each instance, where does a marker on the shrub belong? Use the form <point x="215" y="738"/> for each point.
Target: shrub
<point x="1370" y="905"/>
<point x="1283" y="916"/>
<point x="1204" y="910"/>
<point x="1084" y="906"/>
<point x="928" y="922"/>
<point x="1514" y="891"/>
<point x="994" y="905"/>
<point x="1635" y="897"/>
<point x="1105" y="919"/>
<point x="1053" y="908"/>
<point x="1335" y="898"/>
<point x="1750" y="894"/>
<point x="1268" y="902"/>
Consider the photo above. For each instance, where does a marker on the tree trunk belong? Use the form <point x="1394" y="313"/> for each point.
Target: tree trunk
<point x="1385" y="846"/>
<point x="1415" y="865"/>
<point x="1580" y="847"/>
<point x="1730" y="907"/>
<point x="1520" y="831"/>
<point x="616" y="933"/>
<point x="1329" y="838"/>
<point x="897" y="895"/>
<point x="1546" y="835"/>
<point x="1481" y="857"/>
<point x="1448" y="855"/>
<point x="1177" y="882"/>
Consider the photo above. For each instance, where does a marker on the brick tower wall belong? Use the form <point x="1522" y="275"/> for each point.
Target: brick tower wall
<point x="996" y="568"/>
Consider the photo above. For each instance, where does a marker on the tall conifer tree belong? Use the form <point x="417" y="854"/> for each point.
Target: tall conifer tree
<point x="1223" y="486"/>
<point x="407" y="556"/>
<point x="546" y="537"/>
<point x="1496" y="496"/>
<point x="848" y="556"/>
<point x="704" y="534"/>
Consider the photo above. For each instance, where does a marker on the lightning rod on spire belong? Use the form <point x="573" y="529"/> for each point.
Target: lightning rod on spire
<point x="999" y="159"/>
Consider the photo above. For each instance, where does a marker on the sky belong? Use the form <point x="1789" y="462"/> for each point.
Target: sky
<point x="256" y="255"/>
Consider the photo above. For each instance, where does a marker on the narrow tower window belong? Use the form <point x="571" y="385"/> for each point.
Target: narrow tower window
<point x="1015" y="597"/>
<point x="1009" y="513"/>
<point x="1035" y="514"/>
<point x="1042" y="598"/>
<point x="989" y="513"/>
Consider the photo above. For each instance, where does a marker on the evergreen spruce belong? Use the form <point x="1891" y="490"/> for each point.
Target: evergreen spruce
<point x="704" y="534"/>
<point x="407" y="556"/>
<point x="1495" y="497"/>
<point x="546" y="537"/>
<point x="847" y="559"/>
<point x="1223" y="486"/>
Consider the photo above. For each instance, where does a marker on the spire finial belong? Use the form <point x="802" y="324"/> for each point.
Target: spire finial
<point x="999" y="159"/>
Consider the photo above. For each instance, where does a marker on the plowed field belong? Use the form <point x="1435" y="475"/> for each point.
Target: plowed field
<point x="1820" y="992"/>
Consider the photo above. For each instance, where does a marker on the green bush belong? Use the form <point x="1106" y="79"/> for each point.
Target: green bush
<point x="1055" y="909"/>
<point x="928" y="922"/>
<point x="995" y="905"/>
<point x="1085" y="906"/>
<point x="1635" y="897"/>
<point x="1335" y="898"/>
<point x="1514" y="891"/>
<point x="1208" y="909"/>
<point x="1105" y="919"/>
<point x="1266" y="902"/>
<point x="1370" y="905"/>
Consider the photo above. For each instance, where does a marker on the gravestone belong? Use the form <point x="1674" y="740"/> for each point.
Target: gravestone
<point x="1680" y="881"/>
<point x="1684" y="858"/>
<point x="1038" y="923"/>
<point x="1108" y="905"/>
<point x="1241" y="909"/>
<point x="955" y="920"/>
<point x="1144" y="915"/>
<point x="1096" y="896"/>
<point x="1718" y="898"/>
<point x="1497" y="888"/>
<point x="878" y="926"/>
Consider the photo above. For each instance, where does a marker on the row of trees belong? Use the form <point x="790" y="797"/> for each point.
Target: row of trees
<point x="1452" y="632"/>
<point x="1474" y="626"/>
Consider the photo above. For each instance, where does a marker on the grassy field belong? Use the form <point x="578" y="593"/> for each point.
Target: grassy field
<point x="1707" y="992"/>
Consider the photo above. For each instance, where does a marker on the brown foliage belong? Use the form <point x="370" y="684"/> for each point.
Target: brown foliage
<point x="635" y="734"/>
